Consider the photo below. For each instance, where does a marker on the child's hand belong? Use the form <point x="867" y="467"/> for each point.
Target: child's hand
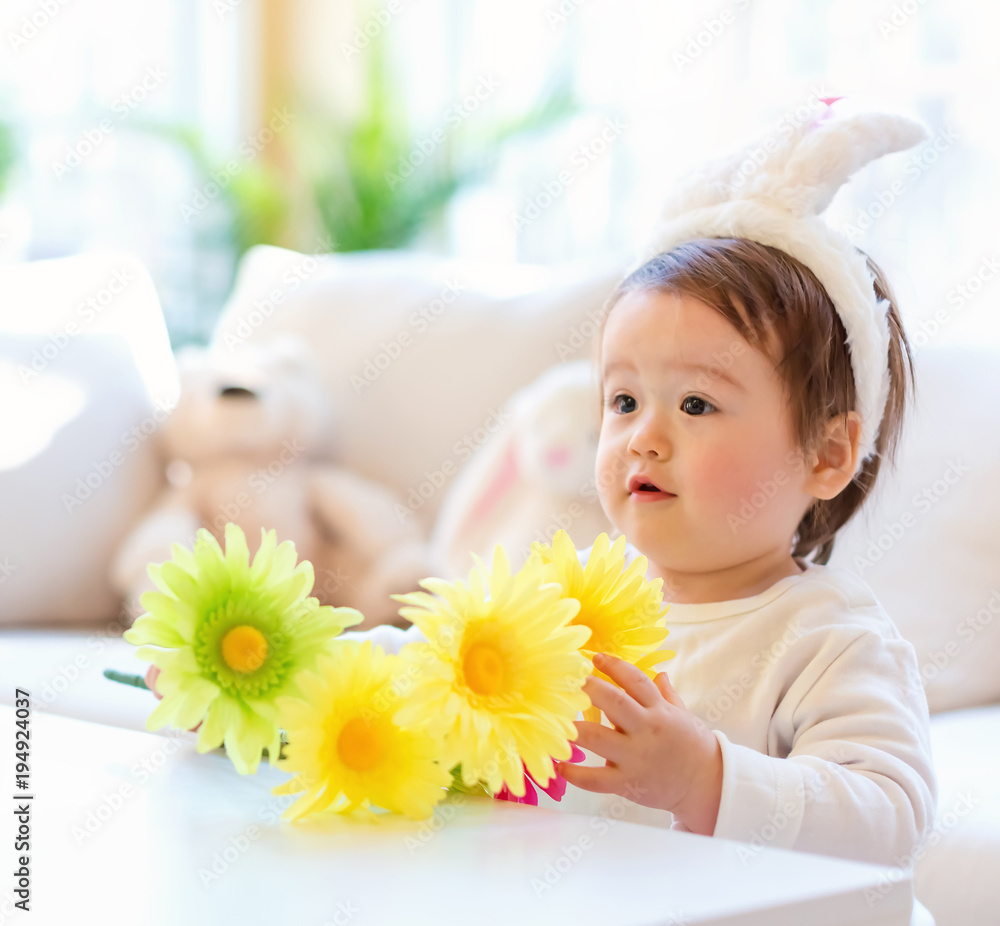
<point x="659" y="754"/>
<point x="151" y="675"/>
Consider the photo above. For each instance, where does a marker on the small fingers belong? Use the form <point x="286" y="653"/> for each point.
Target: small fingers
<point x="618" y="705"/>
<point x="632" y="680"/>
<point x="607" y="743"/>
<point x="590" y="778"/>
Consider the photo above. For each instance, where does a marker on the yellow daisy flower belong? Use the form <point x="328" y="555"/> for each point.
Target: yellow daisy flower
<point x="622" y="609"/>
<point x="230" y="637"/>
<point x="501" y="674"/>
<point x="344" y="746"/>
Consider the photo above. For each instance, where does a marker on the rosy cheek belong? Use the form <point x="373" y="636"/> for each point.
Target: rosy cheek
<point x="725" y="478"/>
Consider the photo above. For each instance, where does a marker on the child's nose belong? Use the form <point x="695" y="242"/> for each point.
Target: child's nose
<point x="650" y="437"/>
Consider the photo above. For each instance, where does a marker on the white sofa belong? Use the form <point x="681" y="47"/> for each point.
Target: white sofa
<point x="928" y="543"/>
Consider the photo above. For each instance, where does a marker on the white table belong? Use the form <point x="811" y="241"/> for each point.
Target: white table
<point x="176" y="837"/>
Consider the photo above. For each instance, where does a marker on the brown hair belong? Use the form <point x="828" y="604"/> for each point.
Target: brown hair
<point x="769" y="296"/>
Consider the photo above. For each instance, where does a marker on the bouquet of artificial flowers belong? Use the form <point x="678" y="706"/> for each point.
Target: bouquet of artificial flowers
<point x="486" y="703"/>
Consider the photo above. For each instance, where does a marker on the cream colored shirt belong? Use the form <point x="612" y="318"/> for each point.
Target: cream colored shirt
<point x="817" y="703"/>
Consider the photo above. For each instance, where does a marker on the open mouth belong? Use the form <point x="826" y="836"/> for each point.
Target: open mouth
<point x="643" y="489"/>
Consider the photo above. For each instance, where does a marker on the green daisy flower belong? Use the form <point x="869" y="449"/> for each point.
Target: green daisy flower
<point x="230" y="639"/>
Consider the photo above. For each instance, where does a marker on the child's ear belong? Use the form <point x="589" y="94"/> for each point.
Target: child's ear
<point x="835" y="458"/>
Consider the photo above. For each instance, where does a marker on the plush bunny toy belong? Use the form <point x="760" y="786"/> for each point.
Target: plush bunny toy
<point x="238" y="448"/>
<point x="535" y="476"/>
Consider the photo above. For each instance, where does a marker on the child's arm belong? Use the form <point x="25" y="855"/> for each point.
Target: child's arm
<point x="857" y="783"/>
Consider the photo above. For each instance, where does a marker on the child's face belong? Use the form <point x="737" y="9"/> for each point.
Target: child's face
<point x="727" y="453"/>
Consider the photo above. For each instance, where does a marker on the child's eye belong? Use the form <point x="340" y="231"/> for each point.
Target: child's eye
<point x="613" y="402"/>
<point x="699" y="403"/>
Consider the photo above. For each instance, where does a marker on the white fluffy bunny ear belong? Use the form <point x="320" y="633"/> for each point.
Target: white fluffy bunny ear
<point x="825" y="158"/>
<point x="799" y="170"/>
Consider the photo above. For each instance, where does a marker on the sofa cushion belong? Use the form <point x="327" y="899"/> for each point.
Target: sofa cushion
<point x="419" y="353"/>
<point x="87" y="374"/>
<point x="928" y="540"/>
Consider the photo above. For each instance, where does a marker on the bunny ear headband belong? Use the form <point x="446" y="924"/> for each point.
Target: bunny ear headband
<point x="779" y="205"/>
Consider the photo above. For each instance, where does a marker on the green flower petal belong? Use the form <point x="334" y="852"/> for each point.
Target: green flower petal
<point x="264" y="558"/>
<point x="237" y="554"/>
<point x="222" y="714"/>
<point x="168" y="610"/>
<point x="284" y="563"/>
<point x="151" y="654"/>
<point x="194" y="701"/>
<point x="155" y="573"/>
<point x="179" y="581"/>
<point x="163" y="714"/>
<point x="290" y="592"/>
<point x="184" y="558"/>
<point x="149" y="629"/>
<point x="253" y="733"/>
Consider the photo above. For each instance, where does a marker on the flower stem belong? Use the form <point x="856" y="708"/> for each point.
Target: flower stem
<point x="136" y="681"/>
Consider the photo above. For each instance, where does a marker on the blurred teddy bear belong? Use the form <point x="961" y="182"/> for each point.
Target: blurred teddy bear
<point x="237" y="448"/>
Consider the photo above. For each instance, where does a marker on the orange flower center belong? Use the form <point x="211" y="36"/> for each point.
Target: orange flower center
<point x="597" y="642"/>
<point x="484" y="669"/>
<point x="359" y="746"/>
<point x="244" y="649"/>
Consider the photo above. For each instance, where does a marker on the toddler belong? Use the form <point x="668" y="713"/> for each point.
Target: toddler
<point x="753" y="375"/>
